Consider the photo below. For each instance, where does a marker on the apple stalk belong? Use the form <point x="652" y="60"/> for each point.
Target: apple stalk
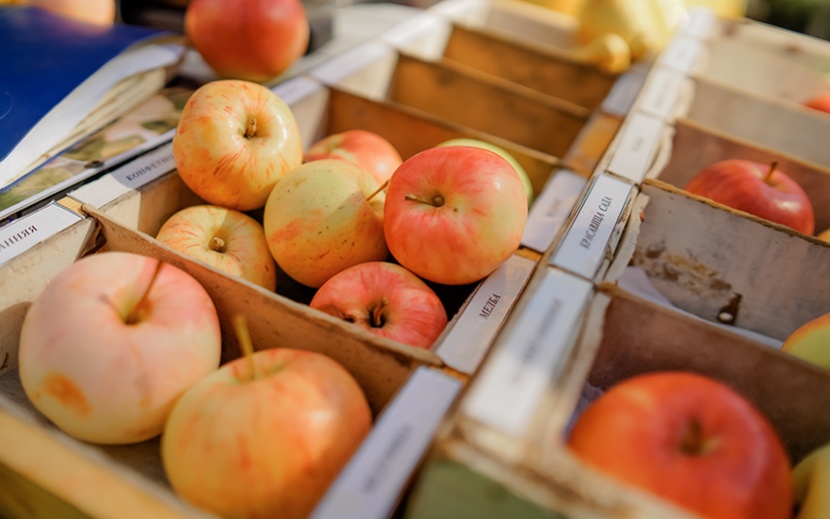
<point x="772" y="166"/>
<point x="376" y="191"/>
<point x="243" y="334"/>
<point x="132" y="316"/>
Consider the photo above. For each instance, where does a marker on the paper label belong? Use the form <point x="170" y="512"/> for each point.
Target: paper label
<point x="661" y="93"/>
<point x="21" y="235"/>
<point x="474" y="331"/>
<point x="682" y="53"/>
<point x="129" y="177"/>
<point x="637" y="146"/>
<point x="551" y="208"/>
<point x="622" y="95"/>
<point x="583" y="247"/>
<point x="700" y="23"/>
<point x="372" y="482"/>
<point x="507" y="391"/>
<point x="295" y="89"/>
<point x="347" y="63"/>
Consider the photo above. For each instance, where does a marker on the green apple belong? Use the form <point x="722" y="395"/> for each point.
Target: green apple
<point x="811" y="342"/>
<point x="811" y="484"/>
<point x="504" y="154"/>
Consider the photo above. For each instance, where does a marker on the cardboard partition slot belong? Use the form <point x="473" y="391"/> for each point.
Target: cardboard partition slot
<point x="380" y="367"/>
<point x="484" y="103"/>
<point x="695" y="147"/>
<point x="721" y="265"/>
<point x="556" y="73"/>
<point x="764" y="121"/>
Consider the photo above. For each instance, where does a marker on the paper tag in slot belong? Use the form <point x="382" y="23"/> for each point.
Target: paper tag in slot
<point x="372" y="482"/>
<point x="295" y="89"/>
<point x="551" y="208"/>
<point x="637" y="145"/>
<point x="700" y="22"/>
<point x="622" y="95"/>
<point x="21" y="235"/>
<point x="347" y="63"/>
<point x="662" y="92"/>
<point x="403" y="33"/>
<point x="131" y="176"/>
<point x="510" y="385"/>
<point x="682" y="53"/>
<point x="475" y="329"/>
<point x="583" y="247"/>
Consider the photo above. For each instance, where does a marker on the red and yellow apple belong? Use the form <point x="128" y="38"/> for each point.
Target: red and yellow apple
<point x="385" y="299"/>
<point x="112" y="342"/>
<point x="811" y="484"/>
<point x="366" y="149"/>
<point x="758" y="189"/>
<point x="234" y="141"/>
<point x="811" y="342"/>
<point x="454" y="213"/>
<point x="229" y="240"/>
<point x="691" y="440"/>
<point x="820" y="102"/>
<point x="323" y="217"/>
<point x="267" y="443"/>
<point x="254" y="40"/>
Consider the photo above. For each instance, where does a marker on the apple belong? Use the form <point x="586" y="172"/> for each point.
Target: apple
<point x="366" y="149"/>
<point x="323" y="217"/>
<point x="824" y="235"/>
<point x="95" y="12"/>
<point x="234" y="141"/>
<point x="758" y="189"/>
<point x="112" y="342"/>
<point x="254" y="40"/>
<point x="811" y="484"/>
<point x="811" y="342"/>
<point x="820" y="102"/>
<point x="385" y="299"/>
<point x="223" y="238"/>
<point x="267" y="443"/>
<point x="689" y="439"/>
<point x="453" y="214"/>
<point x="528" y="187"/>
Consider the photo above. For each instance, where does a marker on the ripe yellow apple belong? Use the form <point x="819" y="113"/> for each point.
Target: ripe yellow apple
<point x="811" y="484"/>
<point x="811" y="342"/>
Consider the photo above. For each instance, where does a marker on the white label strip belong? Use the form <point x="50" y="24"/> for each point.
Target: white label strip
<point x="474" y="331"/>
<point x="372" y="482"/>
<point x="700" y="22"/>
<point x="583" y="247"/>
<point x="129" y="177"/>
<point x="507" y="391"/>
<point x="417" y="26"/>
<point x="295" y="89"/>
<point x="637" y="146"/>
<point x="682" y="53"/>
<point x="347" y="63"/>
<point x="619" y="100"/>
<point x="21" y="235"/>
<point x="662" y="92"/>
<point x="551" y="208"/>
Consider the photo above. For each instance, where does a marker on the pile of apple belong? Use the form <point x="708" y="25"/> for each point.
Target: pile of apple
<point x="364" y="229"/>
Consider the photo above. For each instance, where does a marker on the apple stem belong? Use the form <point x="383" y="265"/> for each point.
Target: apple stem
<point x="378" y="190"/>
<point x="772" y="167"/>
<point x="132" y="316"/>
<point x="437" y="200"/>
<point x="377" y="313"/>
<point x="240" y="326"/>
<point x="694" y="443"/>
<point x="217" y="244"/>
<point x="250" y="130"/>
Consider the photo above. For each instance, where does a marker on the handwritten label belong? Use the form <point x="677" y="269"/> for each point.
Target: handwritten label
<point x="293" y="90"/>
<point x="21" y="235"/>
<point x="622" y="95"/>
<point x="529" y="356"/>
<point x="700" y="23"/>
<point x="475" y="329"/>
<point x="583" y="247"/>
<point x="551" y="208"/>
<point x="374" y="479"/>
<point x="141" y="171"/>
<point x="347" y="63"/>
<point x="682" y="53"/>
<point x="661" y="93"/>
<point x="637" y="146"/>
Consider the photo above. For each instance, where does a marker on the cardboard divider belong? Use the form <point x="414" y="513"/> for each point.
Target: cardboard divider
<point x="695" y="146"/>
<point x="721" y="265"/>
